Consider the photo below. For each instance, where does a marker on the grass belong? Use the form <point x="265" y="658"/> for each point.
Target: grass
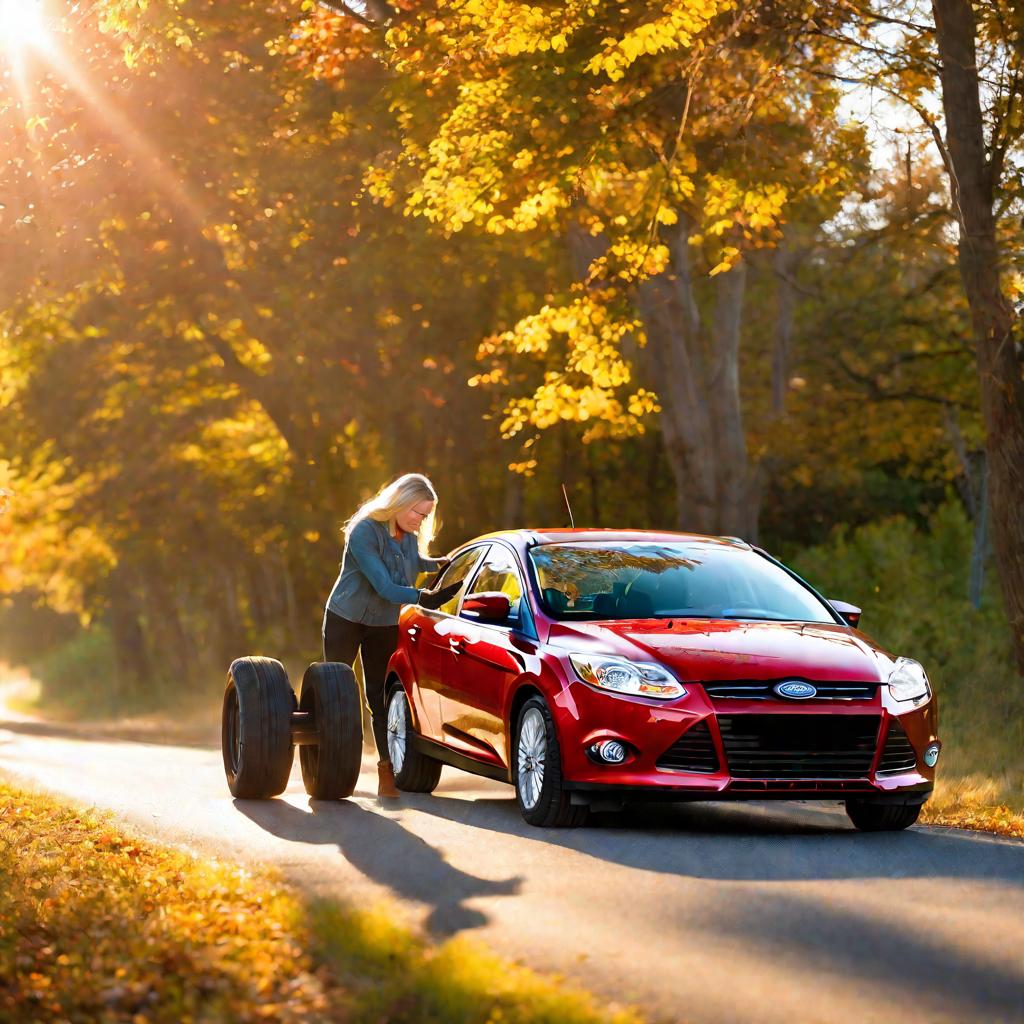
<point x="99" y="925"/>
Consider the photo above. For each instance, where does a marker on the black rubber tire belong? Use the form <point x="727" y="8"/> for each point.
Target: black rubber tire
<point x="330" y="767"/>
<point x="256" y="728"/>
<point x="869" y="816"/>
<point x="419" y="773"/>
<point x="553" y="808"/>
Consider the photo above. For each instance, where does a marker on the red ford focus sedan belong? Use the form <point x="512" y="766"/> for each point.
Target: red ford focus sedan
<point x="592" y="667"/>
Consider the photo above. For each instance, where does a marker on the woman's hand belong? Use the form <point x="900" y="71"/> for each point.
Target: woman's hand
<point x="435" y="598"/>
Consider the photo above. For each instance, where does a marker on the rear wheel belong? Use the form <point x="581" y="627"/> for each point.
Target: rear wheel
<point x="415" y="772"/>
<point x="330" y="767"/>
<point x="537" y="771"/>
<point x="256" y="728"/>
<point x="875" y="817"/>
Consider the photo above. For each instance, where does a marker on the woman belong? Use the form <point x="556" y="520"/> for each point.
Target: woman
<point x="385" y="549"/>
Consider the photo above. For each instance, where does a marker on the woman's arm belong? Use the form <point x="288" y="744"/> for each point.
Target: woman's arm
<point x="432" y="564"/>
<point x="363" y="545"/>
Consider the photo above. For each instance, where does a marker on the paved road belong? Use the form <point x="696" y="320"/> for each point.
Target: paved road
<point x="703" y="913"/>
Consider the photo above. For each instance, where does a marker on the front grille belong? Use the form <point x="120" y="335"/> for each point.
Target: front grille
<point x="799" y="746"/>
<point x="694" y="751"/>
<point x="764" y="691"/>
<point x="897" y="755"/>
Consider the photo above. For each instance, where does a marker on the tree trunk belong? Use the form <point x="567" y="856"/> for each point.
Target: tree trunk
<point x="732" y="466"/>
<point x="675" y="370"/>
<point x="695" y="372"/>
<point x="784" y="264"/>
<point x="999" y="368"/>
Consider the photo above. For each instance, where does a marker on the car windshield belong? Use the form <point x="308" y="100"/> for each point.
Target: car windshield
<point x="639" y="580"/>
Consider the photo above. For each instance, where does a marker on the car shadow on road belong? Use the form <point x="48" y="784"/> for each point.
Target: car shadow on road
<point x="775" y="843"/>
<point x="383" y="850"/>
<point x="751" y="842"/>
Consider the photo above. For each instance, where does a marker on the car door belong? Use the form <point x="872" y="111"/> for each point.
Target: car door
<point x="482" y="663"/>
<point x="427" y="634"/>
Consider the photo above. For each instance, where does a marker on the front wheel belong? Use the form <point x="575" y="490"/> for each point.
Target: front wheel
<point x="868" y="816"/>
<point x="414" y="771"/>
<point x="537" y="771"/>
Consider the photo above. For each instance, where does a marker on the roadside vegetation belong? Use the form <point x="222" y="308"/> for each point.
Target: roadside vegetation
<point x="650" y="252"/>
<point x="911" y="580"/>
<point x="97" y="924"/>
<point x="909" y="575"/>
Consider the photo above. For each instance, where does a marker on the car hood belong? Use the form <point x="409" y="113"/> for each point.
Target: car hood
<point x="719" y="649"/>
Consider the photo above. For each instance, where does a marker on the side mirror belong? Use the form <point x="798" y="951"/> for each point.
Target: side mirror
<point x="487" y="606"/>
<point x="849" y="613"/>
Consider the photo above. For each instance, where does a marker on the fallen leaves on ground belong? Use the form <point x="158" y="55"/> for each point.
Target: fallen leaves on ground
<point x="99" y="925"/>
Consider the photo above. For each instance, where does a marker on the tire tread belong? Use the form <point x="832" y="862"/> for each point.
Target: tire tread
<point x="265" y="704"/>
<point x="873" y="817"/>
<point x="555" y="808"/>
<point x="330" y="691"/>
<point x="420" y="773"/>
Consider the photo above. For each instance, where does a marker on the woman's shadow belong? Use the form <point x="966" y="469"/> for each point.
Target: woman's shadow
<point x="385" y="852"/>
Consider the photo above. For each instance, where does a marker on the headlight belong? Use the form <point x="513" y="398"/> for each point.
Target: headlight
<point x="622" y="676"/>
<point x="907" y="680"/>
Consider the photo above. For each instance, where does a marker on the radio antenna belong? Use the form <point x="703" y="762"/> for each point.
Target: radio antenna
<point x="568" y="507"/>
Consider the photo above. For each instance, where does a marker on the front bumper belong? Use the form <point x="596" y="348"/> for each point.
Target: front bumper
<point x="747" y="749"/>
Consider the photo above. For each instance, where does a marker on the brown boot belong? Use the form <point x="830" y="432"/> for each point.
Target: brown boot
<point x="386" y="788"/>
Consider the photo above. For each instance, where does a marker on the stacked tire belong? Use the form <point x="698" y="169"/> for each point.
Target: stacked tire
<point x="257" y="723"/>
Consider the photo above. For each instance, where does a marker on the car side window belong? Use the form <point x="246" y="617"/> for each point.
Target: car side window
<point x="499" y="573"/>
<point x="458" y="572"/>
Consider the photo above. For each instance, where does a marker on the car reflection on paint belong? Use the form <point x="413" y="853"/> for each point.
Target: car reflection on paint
<point x="592" y="667"/>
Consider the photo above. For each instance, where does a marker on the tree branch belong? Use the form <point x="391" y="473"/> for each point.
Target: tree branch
<point x="343" y="9"/>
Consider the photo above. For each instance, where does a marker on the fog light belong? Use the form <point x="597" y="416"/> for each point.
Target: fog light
<point x="931" y="754"/>
<point x="610" y="751"/>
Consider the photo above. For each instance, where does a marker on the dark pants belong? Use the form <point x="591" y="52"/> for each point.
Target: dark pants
<point x="342" y="639"/>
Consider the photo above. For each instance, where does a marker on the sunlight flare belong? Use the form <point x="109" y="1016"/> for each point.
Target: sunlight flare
<point x="22" y="25"/>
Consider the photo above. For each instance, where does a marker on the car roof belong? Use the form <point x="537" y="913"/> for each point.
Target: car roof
<point x="566" y="535"/>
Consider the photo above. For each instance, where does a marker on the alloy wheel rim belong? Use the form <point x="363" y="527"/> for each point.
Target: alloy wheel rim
<point x="396" y="731"/>
<point x="530" y="758"/>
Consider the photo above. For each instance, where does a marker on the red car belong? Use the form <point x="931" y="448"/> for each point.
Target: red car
<point x="592" y="667"/>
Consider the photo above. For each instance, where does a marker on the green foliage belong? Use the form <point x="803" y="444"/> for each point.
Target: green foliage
<point x="911" y="583"/>
<point x="81" y="675"/>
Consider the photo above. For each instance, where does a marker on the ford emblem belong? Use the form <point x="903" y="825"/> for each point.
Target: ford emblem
<point x="795" y="690"/>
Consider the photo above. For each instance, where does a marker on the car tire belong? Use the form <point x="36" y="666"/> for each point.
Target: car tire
<point x="869" y="816"/>
<point x="330" y="767"/>
<point x="415" y="772"/>
<point x="256" y="728"/>
<point x="537" y="771"/>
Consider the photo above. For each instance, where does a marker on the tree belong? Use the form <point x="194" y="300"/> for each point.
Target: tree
<point x="654" y="145"/>
<point x="973" y="54"/>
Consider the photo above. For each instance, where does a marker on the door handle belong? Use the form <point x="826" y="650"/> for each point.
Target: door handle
<point x="457" y="644"/>
<point x="413" y="633"/>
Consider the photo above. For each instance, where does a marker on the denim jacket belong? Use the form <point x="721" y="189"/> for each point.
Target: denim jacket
<point x="377" y="575"/>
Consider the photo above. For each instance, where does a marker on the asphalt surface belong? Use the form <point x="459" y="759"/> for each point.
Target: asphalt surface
<point x="767" y="912"/>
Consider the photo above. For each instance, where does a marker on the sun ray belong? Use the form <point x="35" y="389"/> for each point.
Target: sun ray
<point x="22" y="26"/>
<point x="114" y="121"/>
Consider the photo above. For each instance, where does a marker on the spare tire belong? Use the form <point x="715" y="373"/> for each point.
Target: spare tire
<point x="330" y="767"/>
<point x="256" y="728"/>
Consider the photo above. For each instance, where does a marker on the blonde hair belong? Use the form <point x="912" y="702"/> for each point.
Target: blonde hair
<point x="391" y="499"/>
